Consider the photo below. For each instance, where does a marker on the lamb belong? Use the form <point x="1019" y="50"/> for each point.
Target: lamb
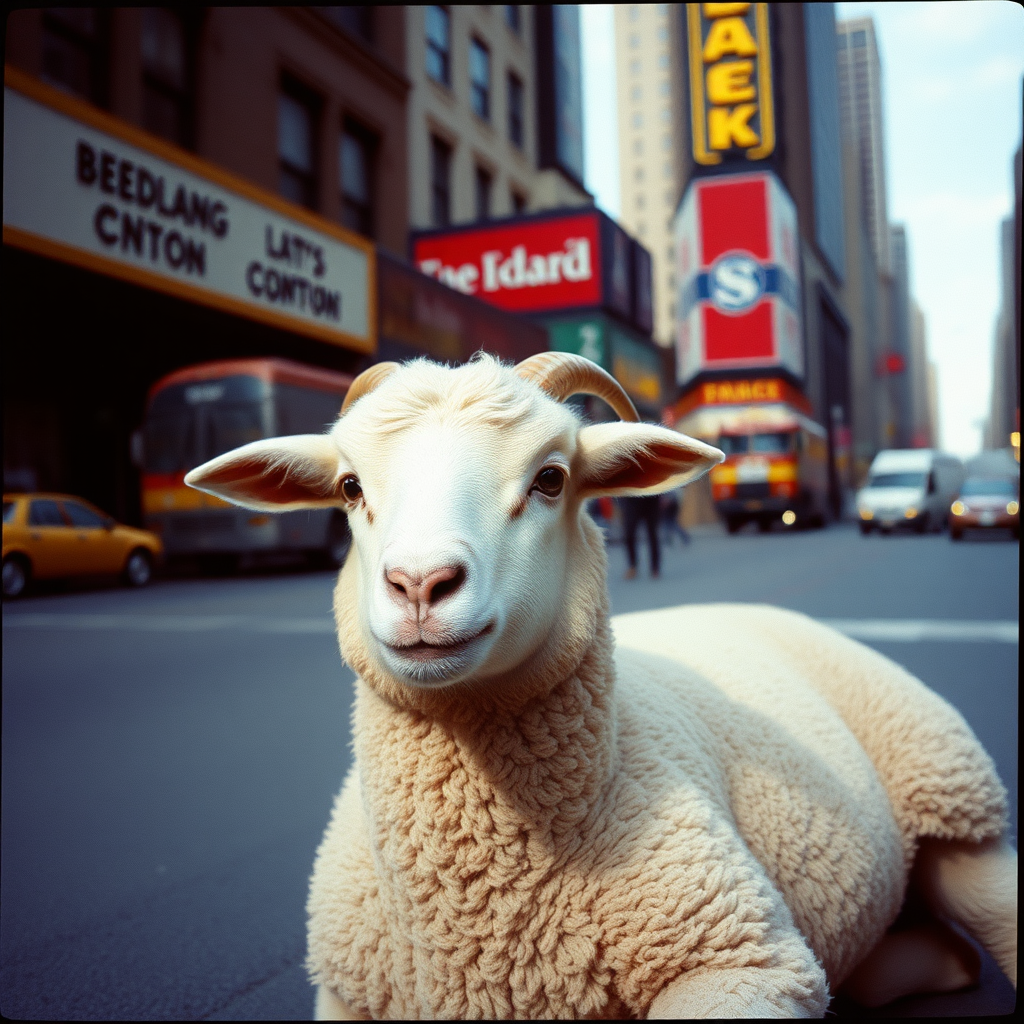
<point x="713" y="811"/>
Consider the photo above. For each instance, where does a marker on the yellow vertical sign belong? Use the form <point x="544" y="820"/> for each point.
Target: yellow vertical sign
<point x="732" y="113"/>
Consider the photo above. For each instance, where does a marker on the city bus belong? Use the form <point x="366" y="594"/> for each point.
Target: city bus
<point x="775" y="469"/>
<point x="202" y="411"/>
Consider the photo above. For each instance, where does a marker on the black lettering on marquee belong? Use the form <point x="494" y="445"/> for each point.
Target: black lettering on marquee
<point x="103" y="214"/>
<point x="295" y="250"/>
<point x="134" y="183"/>
<point x="133" y="230"/>
<point x="85" y="163"/>
<point x="124" y="180"/>
<point x="155" y="231"/>
<point x="291" y="290"/>
<point x="108" y="166"/>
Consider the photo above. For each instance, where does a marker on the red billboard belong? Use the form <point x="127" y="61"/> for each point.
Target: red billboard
<point x="527" y="266"/>
<point x="737" y="264"/>
<point x="543" y="263"/>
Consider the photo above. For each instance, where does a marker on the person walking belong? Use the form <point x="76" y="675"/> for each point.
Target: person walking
<point x="645" y="509"/>
<point x="670" y="517"/>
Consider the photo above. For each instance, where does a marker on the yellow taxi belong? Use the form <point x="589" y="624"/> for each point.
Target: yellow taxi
<point x="49" y="536"/>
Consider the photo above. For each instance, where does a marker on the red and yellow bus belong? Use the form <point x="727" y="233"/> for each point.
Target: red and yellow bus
<point x="199" y="412"/>
<point x="775" y="468"/>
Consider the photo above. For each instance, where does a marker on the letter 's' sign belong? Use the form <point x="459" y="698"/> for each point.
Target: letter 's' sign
<point x="731" y="109"/>
<point x="85" y="188"/>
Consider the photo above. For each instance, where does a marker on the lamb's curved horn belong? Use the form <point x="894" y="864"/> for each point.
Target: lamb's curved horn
<point x="562" y="374"/>
<point x="366" y="382"/>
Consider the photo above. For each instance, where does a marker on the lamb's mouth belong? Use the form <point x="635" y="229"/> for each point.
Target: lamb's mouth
<point x="427" y="652"/>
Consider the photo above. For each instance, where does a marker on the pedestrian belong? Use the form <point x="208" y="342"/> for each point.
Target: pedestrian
<point x="635" y="510"/>
<point x="670" y="517"/>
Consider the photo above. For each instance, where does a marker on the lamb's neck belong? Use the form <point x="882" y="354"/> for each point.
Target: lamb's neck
<point x="538" y="769"/>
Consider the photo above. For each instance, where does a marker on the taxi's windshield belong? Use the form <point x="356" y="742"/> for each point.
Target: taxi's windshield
<point x="773" y="443"/>
<point x="983" y="487"/>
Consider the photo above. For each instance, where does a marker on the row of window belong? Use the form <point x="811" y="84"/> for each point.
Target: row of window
<point x="439" y="68"/>
<point x="76" y="58"/>
<point x="76" y="51"/>
<point x="298" y="119"/>
<point x="441" y="187"/>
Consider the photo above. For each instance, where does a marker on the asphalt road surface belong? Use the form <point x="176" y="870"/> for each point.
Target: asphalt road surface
<point x="170" y="756"/>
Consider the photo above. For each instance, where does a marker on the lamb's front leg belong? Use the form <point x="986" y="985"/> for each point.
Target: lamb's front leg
<point x="738" y="992"/>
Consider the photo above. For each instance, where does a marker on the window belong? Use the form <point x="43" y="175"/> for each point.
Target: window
<point x="513" y="18"/>
<point x="634" y="67"/>
<point x="45" y="512"/>
<point x="516" y="131"/>
<point x="666" y="142"/>
<point x="518" y="203"/>
<point x="295" y="146"/>
<point x="480" y="79"/>
<point x="167" y="108"/>
<point x="357" y="21"/>
<point x="636" y="93"/>
<point x="663" y="62"/>
<point x="82" y="516"/>
<point x="483" y="193"/>
<point x="860" y="38"/>
<point x="355" y="165"/>
<point x="634" y="41"/>
<point x="638" y="174"/>
<point x="666" y="115"/>
<point x="75" y="51"/>
<point x="440" y="182"/>
<point x="638" y="148"/>
<point x="439" y="45"/>
<point x="638" y="120"/>
<point x="664" y="88"/>
<point x="634" y="12"/>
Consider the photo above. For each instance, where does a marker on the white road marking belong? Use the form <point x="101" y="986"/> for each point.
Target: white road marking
<point x="878" y="630"/>
<point x="924" y="630"/>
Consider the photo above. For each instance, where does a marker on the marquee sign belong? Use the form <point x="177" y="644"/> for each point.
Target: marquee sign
<point x="739" y="293"/>
<point x="85" y="188"/>
<point x="540" y="264"/>
<point x="732" y="113"/>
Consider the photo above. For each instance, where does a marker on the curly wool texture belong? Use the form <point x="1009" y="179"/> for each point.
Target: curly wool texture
<point x="749" y="770"/>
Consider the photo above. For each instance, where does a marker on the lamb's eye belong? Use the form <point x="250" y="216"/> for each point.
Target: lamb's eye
<point x="550" y="481"/>
<point x="350" y="489"/>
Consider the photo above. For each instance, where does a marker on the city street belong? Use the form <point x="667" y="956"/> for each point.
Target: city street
<point x="170" y="755"/>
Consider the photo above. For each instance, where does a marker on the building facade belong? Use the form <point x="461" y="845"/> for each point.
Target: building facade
<point x="860" y="102"/>
<point x="647" y="160"/>
<point x="755" y="92"/>
<point x="490" y="117"/>
<point x="1005" y="400"/>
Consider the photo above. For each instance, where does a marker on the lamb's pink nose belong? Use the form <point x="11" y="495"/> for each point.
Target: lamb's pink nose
<point x="423" y="591"/>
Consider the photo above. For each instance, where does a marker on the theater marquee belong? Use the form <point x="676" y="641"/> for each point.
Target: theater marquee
<point x="732" y="115"/>
<point x="83" y="187"/>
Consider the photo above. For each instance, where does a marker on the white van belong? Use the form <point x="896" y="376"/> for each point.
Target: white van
<point x="910" y="487"/>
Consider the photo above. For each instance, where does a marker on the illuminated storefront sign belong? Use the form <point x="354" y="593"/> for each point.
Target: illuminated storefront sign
<point x="543" y="263"/>
<point x="739" y="293"/>
<point x="635" y="364"/>
<point x="744" y="391"/>
<point x="732" y="113"/>
<point x="85" y="188"/>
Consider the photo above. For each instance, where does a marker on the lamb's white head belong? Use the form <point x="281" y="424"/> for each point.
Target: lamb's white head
<point x="465" y="492"/>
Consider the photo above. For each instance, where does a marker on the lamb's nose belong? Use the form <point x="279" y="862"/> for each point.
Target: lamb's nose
<point x="425" y="590"/>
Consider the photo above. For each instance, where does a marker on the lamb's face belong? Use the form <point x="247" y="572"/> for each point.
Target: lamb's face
<point x="464" y="490"/>
<point x="462" y="517"/>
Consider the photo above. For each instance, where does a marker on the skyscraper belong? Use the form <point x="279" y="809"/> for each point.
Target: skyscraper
<point x="646" y="165"/>
<point x="860" y="111"/>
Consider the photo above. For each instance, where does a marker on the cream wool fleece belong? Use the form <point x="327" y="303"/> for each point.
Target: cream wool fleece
<point x="746" y="795"/>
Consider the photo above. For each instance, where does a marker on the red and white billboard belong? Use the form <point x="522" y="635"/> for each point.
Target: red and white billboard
<point x="525" y="266"/>
<point x="736" y="251"/>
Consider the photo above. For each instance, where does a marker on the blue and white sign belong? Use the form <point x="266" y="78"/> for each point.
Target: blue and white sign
<point x="736" y="282"/>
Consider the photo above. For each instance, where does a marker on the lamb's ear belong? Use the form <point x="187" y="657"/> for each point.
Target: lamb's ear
<point x="274" y="475"/>
<point x="639" y="458"/>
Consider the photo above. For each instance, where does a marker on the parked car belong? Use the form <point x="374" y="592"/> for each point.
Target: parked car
<point x="909" y="487"/>
<point x="986" y="503"/>
<point x="50" y="536"/>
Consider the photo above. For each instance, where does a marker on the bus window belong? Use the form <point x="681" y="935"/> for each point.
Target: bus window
<point x="170" y="442"/>
<point x="771" y="444"/>
<point x="734" y="444"/>
<point x="231" y="426"/>
<point x="305" y="410"/>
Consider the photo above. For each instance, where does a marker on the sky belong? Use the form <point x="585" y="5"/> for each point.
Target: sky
<point x="951" y="75"/>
